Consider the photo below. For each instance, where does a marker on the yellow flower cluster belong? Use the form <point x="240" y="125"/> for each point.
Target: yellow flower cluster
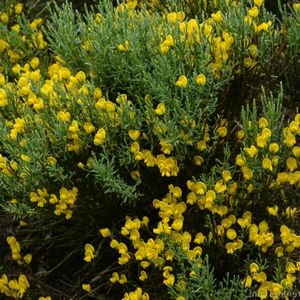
<point x="14" y="288"/>
<point x="167" y="165"/>
<point x="260" y="236"/>
<point x="268" y="288"/>
<point x="16" y="251"/>
<point x="137" y="294"/>
<point x="64" y="204"/>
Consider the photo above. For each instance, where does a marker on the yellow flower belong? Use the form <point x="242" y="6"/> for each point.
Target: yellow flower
<point x="279" y="251"/>
<point x="217" y="16"/>
<point x="263" y="123"/>
<point x="160" y="109"/>
<point x="294" y="126"/>
<point x="220" y="187"/>
<point x="3" y="98"/>
<point x="123" y="279"/>
<point x="177" y="224"/>
<point x="134" y="134"/>
<point x="273" y="147"/>
<point x="4" y="18"/>
<point x="240" y="134"/>
<point x="18" y="8"/>
<point x="263" y="27"/>
<point x="290" y="140"/>
<point x="231" y="234"/>
<point x="172" y="17"/>
<point x="182" y="82"/>
<point x="166" y="44"/>
<point x="258" y="2"/>
<point x="27" y="258"/>
<point x="201" y="145"/>
<point x="296" y="151"/>
<point x="123" y="47"/>
<point x="291" y="163"/>
<point x="88" y="127"/>
<point x="267" y="164"/>
<point x="114" y="278"/>
<point x="248" y="62"/>
<point x="143" y="276"/>
<point x="262" y="292"/>
<point x="226" y="175"/>
<point x="290" y="268"/>
<point x="222" y="131"/>
<point x="253" y="12"/>
<point x="247" y="281"/>
<point x="260" y="277"/>
<point x="273" y="210"/>
<point x="164" y="48"/>
<point x="105" y="232"/>
<point x="198" y="160"/>
<point x="275" y="290"/>
<point x="86" y="287"/>
<point x="201" y="79"/>
<point x="266" y="133"/>
<point x="23" y="223"/>
<point x="240" y="161"/>
<point x="261" y="141"/>
<point x="170" y="280"/>
<point x="231" y="247"/>
<point x="254" y="268"/>
<point x="290" y="212"/>
<point x="89" y="252"/>
<point x="63" y="116"/>
<point x="296" y="6"/>
<point x="100" y="137"/>
<point x="254" y="52"/>
<point x="251" y="151"/>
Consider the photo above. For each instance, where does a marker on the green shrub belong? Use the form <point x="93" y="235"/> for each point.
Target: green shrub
<point x="158" y="130"/>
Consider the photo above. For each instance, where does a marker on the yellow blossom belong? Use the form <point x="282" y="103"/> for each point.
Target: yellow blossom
<point x="105" y="232"/>
<point x="240" y="161"/>
<point x="89" y="252"/>
<point x="258" y="2"/>
<point x="222" y="131"/>
<point x="123" y="47"/>
<point x="296" y="6"/>
<point x="231" y="234"/>
<point x="201" y="79"/>
<point x="248" y="62"/>
<point x="3" y="98"/>
<point x="27" y="258"/>
<point x="267" y="164"/>
<point x="254" y="268"/>
<point x="253" y="12"/>
<point x="251" y="151"/>
<point x="134" y="134"/>
<point x="86" y="287"/>
<point x="240" y="134"/>
<point x="100" y="137"/>
<point x="296" y="151"/>
<point x="279" y="251"/>
<point x="273" y="210"/>
<point x="182" y="82"/>
<point x="291" y="163"/>
<point x="160" y="109"/>
<point x="247" y="281"/>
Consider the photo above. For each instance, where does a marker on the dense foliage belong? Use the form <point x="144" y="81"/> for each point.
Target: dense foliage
<point x="149" y="150"/>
